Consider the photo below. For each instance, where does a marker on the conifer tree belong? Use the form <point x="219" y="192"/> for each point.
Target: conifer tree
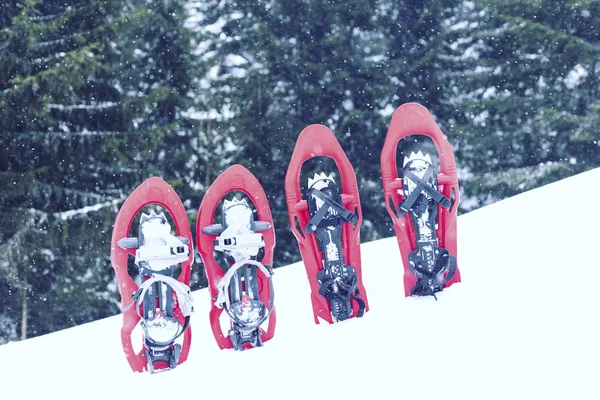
<point x="91" y="104"/>
<point x="528" y="93"/>
<point x="285" y="65"/>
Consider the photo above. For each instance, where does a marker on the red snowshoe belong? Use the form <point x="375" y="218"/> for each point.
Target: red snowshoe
<point x="326" y="223"/>
<point x="422" y="203"/>
<point x="242" y="284"/>
<point x="160" y="302"/>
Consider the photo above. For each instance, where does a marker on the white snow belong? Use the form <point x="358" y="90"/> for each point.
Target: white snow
<point x="94" y="106"/>
<point x="574" y="77"/>
<point x="87" y="209"/>
<point x="523" y="324"/>
<point x="387" y="111"/>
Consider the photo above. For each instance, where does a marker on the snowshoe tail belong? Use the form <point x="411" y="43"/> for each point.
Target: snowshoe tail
<point x="241" y="285"/>
<point x="139" y="302"/>
<point x="422" y="203"/>
<point x="327" y="228"/>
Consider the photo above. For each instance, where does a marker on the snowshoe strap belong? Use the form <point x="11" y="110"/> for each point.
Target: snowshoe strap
<point x="353" y="293"/>
<point x="450" y="267"/>
<point x="172" y="252"/>
<point x="183" y="292"/>
<point x="361" y="304"/>
<point x="433" y="192"/>
<point x="338" y="207"/>
<point x="451" y="270"/>
<point x="422" y="186"/>
<point x="246" y="243"/>
<point x="184" y="299"/>
<point x="420" y="288"/>
<point x="414" y="195"/>
<point x="314" y="221"/>
<point x="223" y="300"/>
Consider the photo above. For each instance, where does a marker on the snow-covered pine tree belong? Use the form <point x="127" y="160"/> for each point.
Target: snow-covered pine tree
<point x="90" y="106"/>
<point x="528" y="93"/>
<point x="280" y="66"/>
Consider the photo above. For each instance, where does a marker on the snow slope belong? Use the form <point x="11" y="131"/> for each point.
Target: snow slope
<point x="522" y="325"/>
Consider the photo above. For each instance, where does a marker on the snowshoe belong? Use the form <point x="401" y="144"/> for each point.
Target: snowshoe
<point x="161" y="303"/>
<point x="242" y="284"/>
<point x="327" y="227"/>
<point x="422" y="203"/>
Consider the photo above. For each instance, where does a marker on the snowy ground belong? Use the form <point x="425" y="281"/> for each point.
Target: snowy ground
<point x="523" y="324"/>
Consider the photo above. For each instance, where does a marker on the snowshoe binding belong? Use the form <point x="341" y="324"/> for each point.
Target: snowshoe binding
<point x="161" y="303"/>
<point x="325" y="220"/>
<point x="241" y="285"/>
<point x="339" y="282"/>
<point x="239" y="239"/>
<point x="422" y="203"/>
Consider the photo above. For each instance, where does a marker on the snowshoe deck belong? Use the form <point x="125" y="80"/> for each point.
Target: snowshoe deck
<point x="243" y="287"/>
<point x="422" y="203"/>
<point x="161" y="303"/>
<point x="327" y="228"/>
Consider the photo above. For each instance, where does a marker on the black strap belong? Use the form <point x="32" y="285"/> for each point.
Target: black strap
<point x="437" y="196"/>
<point x="316" y="219"/>
<point x="408" y="202"/>
<point x="335" y="205"/>
<point x="421" y="186"/>
<point x="361" y="304"/>
<point x="450" y="267"/>
<point x="353" y="294"/>
<point x="451" y="270"/>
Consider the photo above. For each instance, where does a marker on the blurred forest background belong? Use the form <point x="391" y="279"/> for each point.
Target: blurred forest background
<point x="98" y="95"/>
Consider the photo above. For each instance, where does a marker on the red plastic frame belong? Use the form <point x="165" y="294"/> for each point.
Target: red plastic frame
<point x="318" y="140"/>
<point x="239" y="178"/>
<point x="152" y="191"/>
<point x="414" y="119"/>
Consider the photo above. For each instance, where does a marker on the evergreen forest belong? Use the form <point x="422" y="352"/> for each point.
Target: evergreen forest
<point x="96" y="96"/>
